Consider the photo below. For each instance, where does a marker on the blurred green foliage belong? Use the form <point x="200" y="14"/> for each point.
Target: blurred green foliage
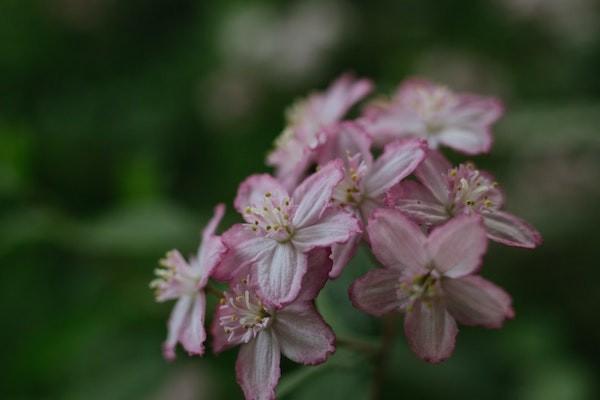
<point x="123" y="122"/>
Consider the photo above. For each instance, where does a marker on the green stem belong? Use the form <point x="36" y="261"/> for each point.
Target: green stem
<point x="390" y="323"/>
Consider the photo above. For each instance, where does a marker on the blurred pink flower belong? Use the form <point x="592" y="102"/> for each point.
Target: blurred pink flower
<point x="306" y="120"/>
<point x="281" y="229"/>
<point x="366" y="181"/>
<point x="431" y="279"/>
<point x="185" y="282"/>
<point x="423" y="109"/>
<point x="445" y="191"/>
<point x="264" y="333"/>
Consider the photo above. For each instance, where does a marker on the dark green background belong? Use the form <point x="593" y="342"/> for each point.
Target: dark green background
<point x="123" y="122"/>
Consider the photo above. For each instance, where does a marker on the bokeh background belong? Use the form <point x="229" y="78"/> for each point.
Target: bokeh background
<point x="123" y="122"/>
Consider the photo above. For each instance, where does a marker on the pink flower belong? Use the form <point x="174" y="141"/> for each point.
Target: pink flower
<point x="445" y="191"/>
<point x="366" y="181"/>
<point x="423" y="109"/>
<point x="185" y="282"/>
<point x="306" y="119"/>
<point x="280" y="230"/>
<point x="431" y="279"/>
<point x="264" y="333"/>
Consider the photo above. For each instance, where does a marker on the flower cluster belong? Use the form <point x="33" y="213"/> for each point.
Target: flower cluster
<point x="300" y="229"/>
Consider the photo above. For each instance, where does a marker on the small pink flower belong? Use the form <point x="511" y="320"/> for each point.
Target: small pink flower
<point x="264" y="333"/>
<point x="280" y="230"/>
<point x="185" y="282"/>
<point x="306" y="119"/>
<point x="445" y="191"/>
<point x="366" y="181"/>
<point x="431" y="279"/>
<point x="423" y="109"/>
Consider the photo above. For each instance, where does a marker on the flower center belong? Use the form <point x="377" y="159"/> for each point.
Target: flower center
<point x="423" y="287"/>
<point x="472" y="191"/>
<point x="273" y="218"/>
<point x="348" y="191"/>
<point x="174" y="279"/>
<point x="243" y="315"/>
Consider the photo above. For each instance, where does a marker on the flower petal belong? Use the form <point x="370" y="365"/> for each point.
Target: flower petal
<point x="345" y="139"/>
<point x="335" y="226"/>
<point x="211" y="249"/>
<point x="193" y="335"/>
<point x="417" y="202"/>
<point x="317" y="273"/>
<point x="468" y="140"/>
<point x="508" y="229"/>
<point x="257" y="367"/>
<point x="376" y="292"/>
<point x="279" y="277"/>
<point x="432" y="173"/>
<point x="430" y="331"/>
<point x="341" y="95"/>
<point x="396" y="241"/>
<point x="457" y="247"/>
<point x="244" y="247"/>
<point x="303" y="335"/>
<point x="342" y="253"/>
<point x="252" y="191"/>
<point x="473" y="300"/>
<point x="313" y="195"/>
<point x="399" y="159"/>
<point x="176" y="324"/>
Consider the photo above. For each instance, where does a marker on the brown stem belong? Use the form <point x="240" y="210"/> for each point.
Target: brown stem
<point x="382" y="356"/>
<point x="209" y="288"/>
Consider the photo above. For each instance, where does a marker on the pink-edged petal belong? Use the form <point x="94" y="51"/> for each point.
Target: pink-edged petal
<point x="316" y="276"/>
<point x="252" y="191"/>
<point x="377" y="292"/>
<point x="257" y="367"/>
<point x="211" y="249"/>
<point x="417" y="202"/>
<point x="473" y="300"/>
<point x="303" y="335"/>
<point x="342" y="94"/>
<point x="342" y="253"/>
<point x="219" y="341"/>
<point x="176" y="325"/>
<point x="396" y="241"/>
<point x="466" y="140"/>
<point x="430" y="331"/>
<point x="457" y="247"/>
<point x="279" y="277"/>
<point x="335" y="226"/>
<point x="244" y="247"/>
<point x="313" y="195"/>
<point x="193" y="335"/>
<point x="432" y="173"/>
<point x="345" y="139"/>
<point x="508" y="229"/>
<point x="399" y="159"/>
<point x="291" y="162"/>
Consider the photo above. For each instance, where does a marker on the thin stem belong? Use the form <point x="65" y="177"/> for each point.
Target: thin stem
<point x="382" y="357"/>
<point x="210" y="289"/>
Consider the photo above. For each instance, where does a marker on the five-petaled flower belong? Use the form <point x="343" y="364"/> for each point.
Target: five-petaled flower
<point x="423" y="109"/>
<point x="264" y="333"/>
<point x="445" y="191"/>
<point x="281" y="229"/>
<point x="306" y="121"/>
<point x="185" y="281"/>
<point x="432" y="279"/>
<point x="366" y="181"/>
